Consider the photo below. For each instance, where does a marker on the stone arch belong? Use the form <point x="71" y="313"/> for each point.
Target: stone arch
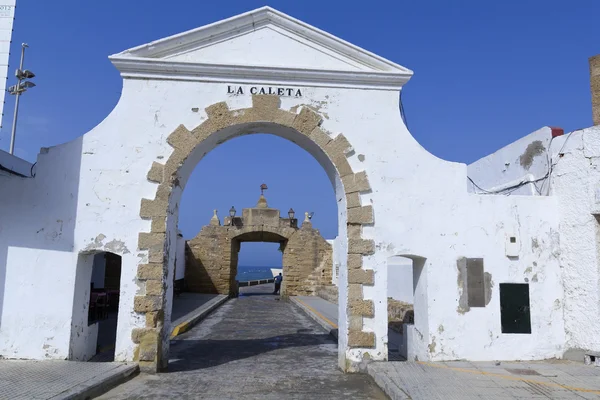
<point x="247" y="231"/>
<point x="262" y="233"/>
<point x="152" y="341"/>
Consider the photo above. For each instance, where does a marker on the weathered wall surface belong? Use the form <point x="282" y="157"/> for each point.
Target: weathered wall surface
<point x="395" y="199"/>
<point x="37" y="262"/>
<point x="208" y="262"/>
<point x="307" y="260"/>
<point x="526" y="160"/>
<point x="400" y="279"/>
<point x="573" y="181"/>
<point x="449" y="223"/>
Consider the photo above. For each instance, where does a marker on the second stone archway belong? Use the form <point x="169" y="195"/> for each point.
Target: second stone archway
<point x="212" y="256"/>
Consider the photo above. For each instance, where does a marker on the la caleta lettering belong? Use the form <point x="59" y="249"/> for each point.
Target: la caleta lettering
<point x="269" y="90"/>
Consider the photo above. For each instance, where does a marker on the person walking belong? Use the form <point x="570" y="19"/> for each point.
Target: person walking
<point x="278" y="280"/>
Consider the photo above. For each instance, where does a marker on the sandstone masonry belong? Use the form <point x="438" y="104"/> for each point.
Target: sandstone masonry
<point x="212" y="256"/>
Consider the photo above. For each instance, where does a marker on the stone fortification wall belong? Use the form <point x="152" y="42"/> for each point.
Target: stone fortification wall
<point x="212" y="256"/>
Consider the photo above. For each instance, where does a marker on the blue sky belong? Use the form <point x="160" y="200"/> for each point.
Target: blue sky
<point x="486" y="74"/>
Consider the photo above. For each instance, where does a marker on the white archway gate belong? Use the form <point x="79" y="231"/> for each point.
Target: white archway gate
<point x="117" y="189"/>
<point x="290" y="95"/>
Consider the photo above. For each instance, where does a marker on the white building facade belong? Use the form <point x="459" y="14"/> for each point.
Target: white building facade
<point x="117" y="189"/>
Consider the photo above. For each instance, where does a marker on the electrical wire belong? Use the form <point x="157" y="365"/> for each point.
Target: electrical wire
<point x="510" y="189"/>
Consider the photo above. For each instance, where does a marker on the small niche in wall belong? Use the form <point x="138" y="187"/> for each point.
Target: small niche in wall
<point x="514" y="308"/>
<point x="475" y="283"/>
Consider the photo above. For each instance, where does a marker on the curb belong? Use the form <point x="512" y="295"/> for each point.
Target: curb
<point x="205" y="309"/>
<point x="386" y="384"/>
<point x="329" y="326"/>
<point x="101" y="383"/>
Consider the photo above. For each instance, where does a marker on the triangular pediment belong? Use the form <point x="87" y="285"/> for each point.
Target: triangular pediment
<point x="263" y="38"/>
<point x="269" y="46"/>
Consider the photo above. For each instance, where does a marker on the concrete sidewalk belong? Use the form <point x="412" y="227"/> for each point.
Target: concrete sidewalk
<point x="55" y="380"/>
<point x="322" y="311"/>
<point x="191" y="308"/>
<point x="552" y="379"/>
<point x="325" y="313"/>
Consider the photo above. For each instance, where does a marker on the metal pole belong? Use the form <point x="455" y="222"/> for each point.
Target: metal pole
<point x="18" y="94"/>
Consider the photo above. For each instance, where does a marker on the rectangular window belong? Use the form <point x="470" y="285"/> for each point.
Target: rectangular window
<point x="475" y="282"/>
<point x="514" y="308"/>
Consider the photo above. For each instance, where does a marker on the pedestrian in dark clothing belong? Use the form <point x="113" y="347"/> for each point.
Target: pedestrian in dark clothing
<point x="278" y="280"/>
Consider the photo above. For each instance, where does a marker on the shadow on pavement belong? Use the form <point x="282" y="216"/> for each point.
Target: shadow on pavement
<point x="192" y="355"/>
<point x="258" y="294"/>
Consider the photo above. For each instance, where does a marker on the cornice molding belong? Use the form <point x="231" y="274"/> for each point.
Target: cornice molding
<point x="143" y="68"/>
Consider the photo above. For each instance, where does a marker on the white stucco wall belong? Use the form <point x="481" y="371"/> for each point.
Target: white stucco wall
<point x="400" y="279"/>
<point x="13" y="165"/>
<point x="462" y="224"/>
<point x="87" y="193"/>
<point x="84" y="337"/>
<point x="180" y="258"/>
<point x="525" y="160"/>
<point x="573" y="181"/>
<point x="37" y="223"/>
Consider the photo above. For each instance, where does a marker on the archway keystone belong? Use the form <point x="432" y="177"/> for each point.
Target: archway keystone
<point x="151" y="341"/>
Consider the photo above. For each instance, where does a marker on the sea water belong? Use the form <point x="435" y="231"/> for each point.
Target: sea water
<point x="246" y="274"/>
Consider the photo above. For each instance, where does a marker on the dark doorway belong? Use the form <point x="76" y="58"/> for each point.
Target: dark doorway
<point x="104" y="303"/>
<point x="514" y="308"/>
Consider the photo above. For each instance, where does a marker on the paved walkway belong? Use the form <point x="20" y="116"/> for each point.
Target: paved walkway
<point x="190" y="308"/>
<point x="321" y="311"/>
<point x="187" y="303"/>
<point x="552" y="379"/>
<point x="252" y="347"/>
<point x="325" y="313"/>
<point x="558" y="379"/>
<point x="26" y="380"/>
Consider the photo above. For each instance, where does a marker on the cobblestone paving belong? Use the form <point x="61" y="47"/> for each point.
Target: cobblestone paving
<point x="252" y="347"/>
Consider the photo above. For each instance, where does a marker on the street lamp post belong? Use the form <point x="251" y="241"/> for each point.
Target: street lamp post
<point x="232" y="212"/>
<point x="19" y="88"/>
<point x="291" y="215"/>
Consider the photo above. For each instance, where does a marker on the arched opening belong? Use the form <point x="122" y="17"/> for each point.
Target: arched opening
<point x="400" y="305"/>
<point x="95" y="307"/>
<point x="292" y="267"/>
<point x="257" y="265"/>
<point x="189" y="148"/>
<point x="231" y="132"/>
<point x="256" y="275"/>
<point x="407" y="307"/>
